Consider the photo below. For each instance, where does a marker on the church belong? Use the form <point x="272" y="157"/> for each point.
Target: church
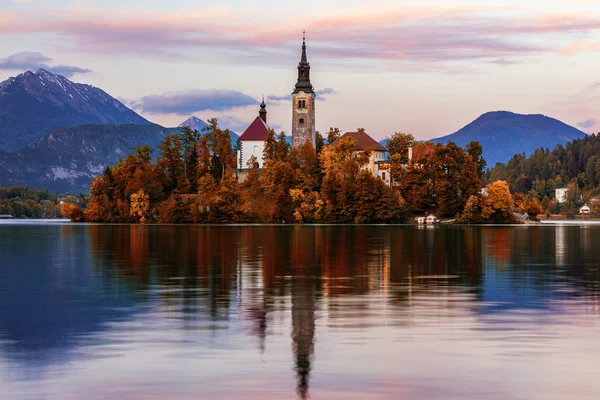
<point x="303" y="119"/>
<point x="252" y="141"/>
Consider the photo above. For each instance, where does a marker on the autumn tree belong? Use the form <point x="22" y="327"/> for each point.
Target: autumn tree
<point x="72" y="212"/>
<point x="471" y="213"/>
<point x="270" y="148"/>
<point x="282" y="149"/>
<point x="399" y="144"/>
<point x="497" y="205"/>
<point x="140" y="206"/>
<point x="333" y="135"/>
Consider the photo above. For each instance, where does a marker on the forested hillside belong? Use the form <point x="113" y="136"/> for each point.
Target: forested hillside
<point x="575" y="165"/>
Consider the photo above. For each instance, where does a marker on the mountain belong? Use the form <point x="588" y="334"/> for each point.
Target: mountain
<point x="503" y="134"/>
<point x="199" y="125"/>
<point x="33" y="104"/>
<point x="67" y="159"/>
<point x="195" y="123"/>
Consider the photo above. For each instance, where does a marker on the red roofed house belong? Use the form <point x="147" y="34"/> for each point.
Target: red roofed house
<point x="253" y="140"/>
<point x="378" y="164"/>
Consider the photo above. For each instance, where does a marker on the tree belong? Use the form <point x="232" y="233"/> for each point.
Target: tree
<point x="319" y="142"/>
<point x="309" y="207"/>
<point x="574" y="196"/>
<point x="282" y="149"/>
<point x="471" y="213"/>
<point x="333" y="135"/>
<point x="140" y="206"/>
<point x="399" y="143"/>
<point x="72" y="212"/>
<point x="534" y="208"/>
<point x="270" y="150"/>
<point x="497" y="205"/>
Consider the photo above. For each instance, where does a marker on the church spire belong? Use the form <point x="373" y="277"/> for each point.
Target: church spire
<point x="263" y="110"/>
<point x="303" y="59"/>
<point x="303" y="84"/>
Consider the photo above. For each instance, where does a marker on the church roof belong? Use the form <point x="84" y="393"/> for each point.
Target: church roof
<point x="258" y="130"/>
<point x="363" y="141"/>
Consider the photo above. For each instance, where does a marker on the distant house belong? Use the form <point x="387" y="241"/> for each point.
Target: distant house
<point x="379" y="164"/>
<point x="585" y="210"/>
<point x="561" y="195"/>
<point x="253" y="140"/>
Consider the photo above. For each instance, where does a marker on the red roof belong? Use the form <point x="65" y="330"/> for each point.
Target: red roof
<point x="363" y="141"/>
<point x="258" y="130"/>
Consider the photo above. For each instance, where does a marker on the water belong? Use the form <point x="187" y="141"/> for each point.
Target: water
<point x="290" y="312"/>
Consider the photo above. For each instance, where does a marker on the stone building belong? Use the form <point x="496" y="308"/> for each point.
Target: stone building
<point x="303" y="104"/>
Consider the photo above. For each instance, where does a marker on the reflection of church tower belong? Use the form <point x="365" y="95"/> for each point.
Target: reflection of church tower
<point x="303" y="104"/>
<point x="303" y="329"/>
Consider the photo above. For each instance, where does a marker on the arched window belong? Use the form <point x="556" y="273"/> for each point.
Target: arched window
<point x="301" y="121"/>
<point x="383" y="176"/>
<point x="255" y="150"/>
<point x="299" y="103"/>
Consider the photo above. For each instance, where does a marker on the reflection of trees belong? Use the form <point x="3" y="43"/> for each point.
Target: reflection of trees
<point x="258" y="267"/>
<point x="538" y="259"/>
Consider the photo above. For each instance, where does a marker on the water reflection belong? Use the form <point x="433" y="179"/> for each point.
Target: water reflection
<point x="212" y="290"/>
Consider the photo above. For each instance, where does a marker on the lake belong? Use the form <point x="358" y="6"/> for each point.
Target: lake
<point x="296" y="312"/>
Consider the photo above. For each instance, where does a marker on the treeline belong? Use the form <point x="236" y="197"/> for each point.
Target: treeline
<point x="194" y="181"/>
<point x="24" y="202"/>
<point x="575" y="166"/>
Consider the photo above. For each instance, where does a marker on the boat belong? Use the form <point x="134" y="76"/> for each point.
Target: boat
<point x="431" y="220"/>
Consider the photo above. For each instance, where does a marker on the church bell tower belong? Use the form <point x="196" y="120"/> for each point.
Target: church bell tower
<point x="303" y="104"/>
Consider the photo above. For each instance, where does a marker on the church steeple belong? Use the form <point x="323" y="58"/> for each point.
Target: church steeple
<point x="263" y="110"/>
<point x="303" y="104"/>
<point x="303" y="84"/>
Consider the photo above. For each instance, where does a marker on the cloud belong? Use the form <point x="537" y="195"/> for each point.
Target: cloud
<point x="275" y="98"/>
<point x="590" y="123"/>
<point x="322" y="94"/>
<point x="32" y="61"/>
<point x="579" y="47"/>
<point x="190" y="101"/>
<point x="408" y="34"/>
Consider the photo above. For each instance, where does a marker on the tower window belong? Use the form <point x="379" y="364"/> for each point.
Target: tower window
<point x="301" y="121"/>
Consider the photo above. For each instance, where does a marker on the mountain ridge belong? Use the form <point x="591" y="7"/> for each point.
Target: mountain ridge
<point x="33" y="104"/>
<point x="502" y="134"/>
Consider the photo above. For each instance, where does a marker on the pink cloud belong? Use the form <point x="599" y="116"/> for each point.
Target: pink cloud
<point x="421" y="34"/>
<point x="578" y="47"/>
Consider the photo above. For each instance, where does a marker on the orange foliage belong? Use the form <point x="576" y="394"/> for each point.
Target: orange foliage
<point x="72" y="212"/>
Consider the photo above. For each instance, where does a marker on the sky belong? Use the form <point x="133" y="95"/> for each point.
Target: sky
<point x="424" y="67"/>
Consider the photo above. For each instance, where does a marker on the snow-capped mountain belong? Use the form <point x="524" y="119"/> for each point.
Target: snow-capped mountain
<point x="34" y="104"/>
<point x="197" y="124"/>
<point x="194" y="123"/>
